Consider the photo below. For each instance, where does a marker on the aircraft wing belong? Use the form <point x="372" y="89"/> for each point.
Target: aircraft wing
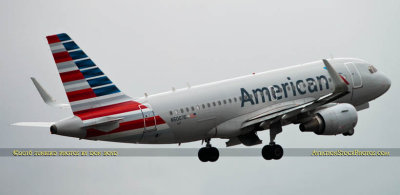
<point x="297" y="107"/>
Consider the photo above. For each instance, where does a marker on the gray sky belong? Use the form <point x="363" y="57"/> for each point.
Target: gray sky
<point x="150" y="46"/>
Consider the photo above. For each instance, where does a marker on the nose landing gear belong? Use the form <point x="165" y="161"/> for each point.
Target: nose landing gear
<point x="349" y="133"/>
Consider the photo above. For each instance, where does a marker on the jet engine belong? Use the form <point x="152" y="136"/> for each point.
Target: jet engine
<point x="338" y="119"/>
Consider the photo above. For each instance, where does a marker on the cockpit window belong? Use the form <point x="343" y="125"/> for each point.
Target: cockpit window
<point x="372" y="69"/>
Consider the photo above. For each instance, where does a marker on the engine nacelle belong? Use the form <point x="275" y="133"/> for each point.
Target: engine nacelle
<point x="338" y="119"/>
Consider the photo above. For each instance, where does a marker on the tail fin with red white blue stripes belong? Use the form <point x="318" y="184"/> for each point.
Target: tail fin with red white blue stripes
<point x="90" y="92"/>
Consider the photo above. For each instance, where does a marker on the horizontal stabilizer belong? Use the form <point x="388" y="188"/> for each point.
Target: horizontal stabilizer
<point x="46" y="96"/>
<point x="33" y="124"/>
<point x="105" y="124"/>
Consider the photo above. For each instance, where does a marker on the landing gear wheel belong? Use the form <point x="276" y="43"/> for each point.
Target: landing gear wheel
<point x="213" y="154"/>
<point x="267" y="152"/>
<point x="202" y="154"/>
<point x="272" y="151"/>
<point x="208" y="153"/>
<point x="277" y="152"/>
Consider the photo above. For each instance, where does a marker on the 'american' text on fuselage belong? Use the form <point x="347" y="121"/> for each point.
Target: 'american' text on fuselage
<point x="277" y="92"/>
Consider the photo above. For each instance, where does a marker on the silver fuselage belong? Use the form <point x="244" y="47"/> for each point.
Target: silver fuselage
<point x="194" y="113"/>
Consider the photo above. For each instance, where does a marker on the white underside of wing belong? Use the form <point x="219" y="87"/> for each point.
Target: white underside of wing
<point x="33" y="124"/>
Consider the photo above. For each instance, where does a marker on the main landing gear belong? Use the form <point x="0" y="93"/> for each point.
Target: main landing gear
<point x="273" y="151"/>
<point x="270" y="151"/>
<point x="208" y="153"/>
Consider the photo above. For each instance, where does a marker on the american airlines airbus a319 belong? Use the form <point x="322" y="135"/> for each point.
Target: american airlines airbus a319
<point x="322" y="97"/>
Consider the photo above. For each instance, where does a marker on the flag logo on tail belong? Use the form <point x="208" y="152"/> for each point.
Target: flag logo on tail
<point x="90" y="92"/>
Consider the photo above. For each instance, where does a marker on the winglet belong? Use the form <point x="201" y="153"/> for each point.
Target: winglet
<point x="46" y="96"/>
<point x="340" y="86"/>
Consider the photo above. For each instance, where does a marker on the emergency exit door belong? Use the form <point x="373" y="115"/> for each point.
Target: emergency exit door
<point x="149" y="119"/>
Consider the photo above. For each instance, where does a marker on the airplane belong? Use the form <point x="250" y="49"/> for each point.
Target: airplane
<point x="321" y="97"/>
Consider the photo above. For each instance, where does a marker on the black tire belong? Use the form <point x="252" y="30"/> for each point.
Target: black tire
<point x="277" y="152"/>
<point x="267" y="152"/>
<point x="202" y="154"/>
<point x="213" y="154"/>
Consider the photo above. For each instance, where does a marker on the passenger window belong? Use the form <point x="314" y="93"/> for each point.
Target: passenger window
<point x="204" y="106"/>
<point x="219" y="103"/>
<point x="198" y="107"/>
<point x="187" y="109"/>
<point x="214" y="104"/>
<point x="176" y="111"/>
<point x="182" y="110"/>
<point x="230" y="101"/>
<point x="240" y="98"/>
<point x="192" y="108"/>
<point x="224" y="101"/>
<point x="170" y="113"/>
<point x="208" y="104"/>
<point x="235" y="99"/>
